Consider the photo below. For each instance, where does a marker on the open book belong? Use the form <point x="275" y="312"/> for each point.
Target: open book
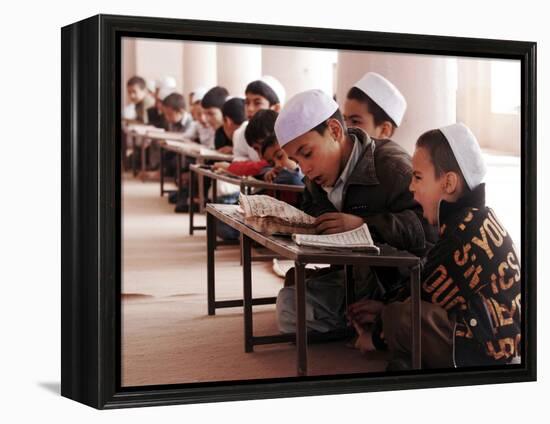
<point x="268" y="215"/>
<point x="357" y="239"/>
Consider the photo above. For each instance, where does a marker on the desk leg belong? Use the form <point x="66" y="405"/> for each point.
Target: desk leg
<point x="134" y="155"/>
<point x="350" y="294"/>
<point x="211" y="276"/>
<point x="161" y="171"/>
<point x="350" y="285"/>
<point x="301" y="328"/>
<point x="191" y="193"/>
<point x="415" y="318"/>
<point x="247" y="293"/>
<point x="143" y="167"/>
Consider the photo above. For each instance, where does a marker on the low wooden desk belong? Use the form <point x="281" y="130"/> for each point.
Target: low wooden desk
<point x="301" y="256"/>
<point x="186" y="148"/>
<point x="245" y="184"/>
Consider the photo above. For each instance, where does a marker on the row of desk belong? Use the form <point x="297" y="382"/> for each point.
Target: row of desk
<point x="282" y="246"/>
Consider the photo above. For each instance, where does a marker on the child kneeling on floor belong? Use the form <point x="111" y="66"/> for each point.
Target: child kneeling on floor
<point x="471" y="288"/>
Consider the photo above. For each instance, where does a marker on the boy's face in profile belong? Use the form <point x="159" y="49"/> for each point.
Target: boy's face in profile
<point x="319" y="156"/>
<point x="356" y="114"/>
<point x="136" y="94"/>
<point x="229" y="127"/>
<point x="172" y="116"/>
<point x="277" y="157"/>
<point x="428" y="190"/>
<point x="214" y="117"/>
<point x="254" y="103"/>
<point x="197" y="113"/>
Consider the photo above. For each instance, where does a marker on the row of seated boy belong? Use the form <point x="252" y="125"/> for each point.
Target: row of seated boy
<point x="432" y="205"/>
<point x="227" y="118"/>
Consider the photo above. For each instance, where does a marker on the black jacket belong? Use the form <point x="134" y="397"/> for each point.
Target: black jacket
<point x="474" y="273"/>
<point x="378" y="191"/>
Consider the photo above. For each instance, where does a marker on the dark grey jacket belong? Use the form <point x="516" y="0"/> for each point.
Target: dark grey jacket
<point x="378" y="191"/>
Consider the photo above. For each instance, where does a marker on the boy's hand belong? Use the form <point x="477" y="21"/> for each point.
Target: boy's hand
<point x="336" y="222"/>
<point x="365" y="311"/>
<point x="226" y="150"/>
<point x="271" y="174"/>
<point x="220" y="166"/>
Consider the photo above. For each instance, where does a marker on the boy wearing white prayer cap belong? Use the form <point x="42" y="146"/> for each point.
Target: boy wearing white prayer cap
<point x="471" y="281"/>
<point x="375" y="105"/>
<point x="351" y="179"/>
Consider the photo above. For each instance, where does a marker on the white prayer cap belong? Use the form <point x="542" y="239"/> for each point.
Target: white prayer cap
<point x="166" y="81"/>
<point x="276" y="86"/>
<point x="151" y="85"/>
<point x="467" y="153"/>
<point x="384" y="94"/>
<point x="198" y="93"/>
<point x="302" y="113"/>
<point x="165" y="92"/>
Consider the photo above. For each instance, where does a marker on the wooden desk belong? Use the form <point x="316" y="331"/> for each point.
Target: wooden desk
<point x="186" y="148"/>
<point x="137" y="134"/>
<point x="301" y="256"/>
<point x="245" y="185"/>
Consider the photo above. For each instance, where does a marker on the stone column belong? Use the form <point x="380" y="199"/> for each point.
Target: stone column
<point x="199" y="66"/>
<point x="238" y="65"/>
<point x="300" y="69"/>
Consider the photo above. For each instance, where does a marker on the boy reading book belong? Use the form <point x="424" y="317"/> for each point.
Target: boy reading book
<point x="350" y="180"/>
<point x="471" y="280"/>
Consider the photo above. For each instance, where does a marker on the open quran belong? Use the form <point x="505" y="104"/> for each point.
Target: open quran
<point x="357" y="239"/>
<point x="268" y="215"/>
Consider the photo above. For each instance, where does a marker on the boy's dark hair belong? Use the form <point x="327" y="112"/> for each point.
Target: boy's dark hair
<point x="215" y="97"/>
<point x="269" y="141"/>
<point x="376" y="111"/>
<point x="135" y="80"/>
<point x="260" y="126"/>
<point x="323" y="125"/>
<point x="260" y="88"/>
<point x="174" y="101"/>
<point x="234" y="110"/>
<point x="441" y="154"/>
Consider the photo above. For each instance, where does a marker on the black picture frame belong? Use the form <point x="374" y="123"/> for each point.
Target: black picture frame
<point x="91" y="212"/>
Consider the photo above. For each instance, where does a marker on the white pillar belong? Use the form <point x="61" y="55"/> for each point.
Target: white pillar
<point x="128" y="64"/>
<point x="199" y="70"/>
<point x="237" y="66"/>
<point x="300" y="69"/>
<point x="427" y="82"/>
<point x="158" y="58"/>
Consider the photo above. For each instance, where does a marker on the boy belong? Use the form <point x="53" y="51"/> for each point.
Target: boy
<point x="233" y="117"/>
<point x="212" y="104"/>
<point x="201" y="132"/>
<point x="471" y="279"/>
<point x="350" y="179"/>
<point x="163" y="87"/>
<point x="176" y="117"/>
<point x="284" y="170"/>
<point x="139" y="96"/>
<point x="375" y="105"/>
<point x="265" y="93"/>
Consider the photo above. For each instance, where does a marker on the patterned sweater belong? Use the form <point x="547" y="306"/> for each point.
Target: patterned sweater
<point x="473" y="272"/>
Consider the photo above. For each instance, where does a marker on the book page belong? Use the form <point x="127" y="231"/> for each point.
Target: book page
<point x="262" y="206"/>
<point x="357" y="238"/>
